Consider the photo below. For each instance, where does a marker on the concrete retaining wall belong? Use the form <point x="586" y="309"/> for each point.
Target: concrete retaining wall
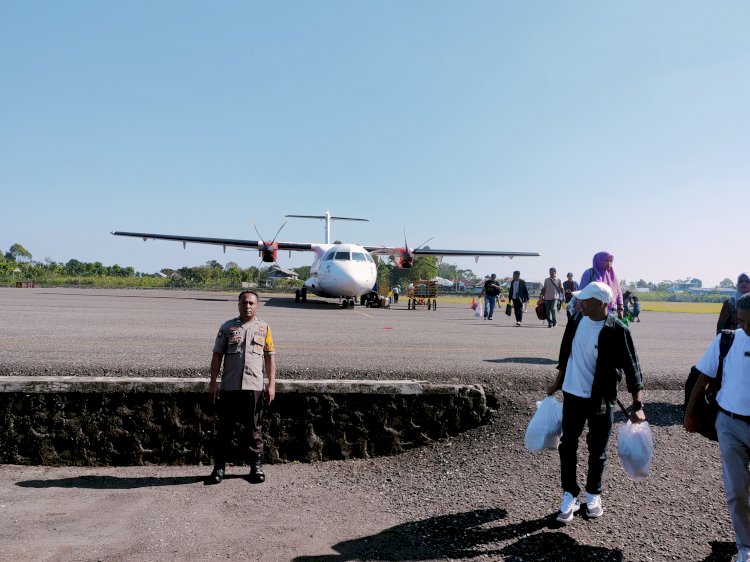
<point x="136" y="421"/>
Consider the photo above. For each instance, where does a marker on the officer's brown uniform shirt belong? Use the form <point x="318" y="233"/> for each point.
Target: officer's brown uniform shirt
<point x="244" y="346"/>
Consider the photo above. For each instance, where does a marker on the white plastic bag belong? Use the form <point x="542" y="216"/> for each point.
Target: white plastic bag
<point x="477" y="307"/>
<point x="635" y="445"/>
<point x="545" y="427"/>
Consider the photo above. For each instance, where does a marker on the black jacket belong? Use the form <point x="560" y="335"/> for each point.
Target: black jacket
<point x="523" y="292"/>
<point x="616" y="356"/>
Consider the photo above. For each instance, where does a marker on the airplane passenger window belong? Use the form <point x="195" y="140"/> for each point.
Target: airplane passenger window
<point x="358" y="256"/>
<point x="343" y="256"/>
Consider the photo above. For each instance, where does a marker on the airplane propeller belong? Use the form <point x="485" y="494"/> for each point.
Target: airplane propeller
<point x="268" y="250"/>
<point x="405" y="257"/>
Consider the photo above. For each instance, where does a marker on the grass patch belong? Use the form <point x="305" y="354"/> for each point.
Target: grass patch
<point x="688" y="307"/>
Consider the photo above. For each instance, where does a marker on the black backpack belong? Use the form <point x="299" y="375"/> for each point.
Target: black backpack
<point x="708" y="409"/>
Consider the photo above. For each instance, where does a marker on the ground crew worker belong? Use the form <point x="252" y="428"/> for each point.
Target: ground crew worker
<point x="245" y="346"/>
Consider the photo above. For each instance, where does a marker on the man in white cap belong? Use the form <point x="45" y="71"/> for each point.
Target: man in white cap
<point x="595" y="352"/>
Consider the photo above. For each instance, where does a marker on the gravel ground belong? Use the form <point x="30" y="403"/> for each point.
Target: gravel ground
<point x="478" y="496"/>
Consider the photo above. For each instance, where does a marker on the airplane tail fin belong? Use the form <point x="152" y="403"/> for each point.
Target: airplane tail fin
<point x="326" y="216"/>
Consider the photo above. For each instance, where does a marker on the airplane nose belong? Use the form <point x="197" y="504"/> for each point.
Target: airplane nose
<point x="354" y="279"/>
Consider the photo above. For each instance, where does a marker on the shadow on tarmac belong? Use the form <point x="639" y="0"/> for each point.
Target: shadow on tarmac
<point x="524" y="360"/>
<point x="113" y="482"/>
<point x="721" y="551"/>
<point x="288" y="302"/>
<point x="467" y="535"/>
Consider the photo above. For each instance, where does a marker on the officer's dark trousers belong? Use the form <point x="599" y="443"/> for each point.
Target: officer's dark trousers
<point x="233" y="407"/>
<point x="576" y="412"/>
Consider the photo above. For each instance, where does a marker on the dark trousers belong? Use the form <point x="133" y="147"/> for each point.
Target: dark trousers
<point x="576" y="412"/>
<point x="395" y="298"/>
<point x="518" y="309"/>
<point x="238" y="406"/>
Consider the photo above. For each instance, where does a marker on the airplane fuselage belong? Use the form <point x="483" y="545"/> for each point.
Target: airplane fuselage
<point x="341" y="271"/>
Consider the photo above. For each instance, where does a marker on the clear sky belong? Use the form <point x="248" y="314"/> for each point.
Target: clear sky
<point x="559" y="127"/>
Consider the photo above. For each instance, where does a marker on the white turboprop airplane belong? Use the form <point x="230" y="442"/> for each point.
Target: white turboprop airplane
<point x="340" y="271"/>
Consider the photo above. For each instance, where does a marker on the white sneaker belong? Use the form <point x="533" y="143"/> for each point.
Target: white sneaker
<point x="743" y="555"/>
<point x="570" y="504"/>
<point x="594" y="507"/>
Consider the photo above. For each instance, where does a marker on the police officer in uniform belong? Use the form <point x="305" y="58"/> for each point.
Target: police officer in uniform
<point x="245" y="346"/>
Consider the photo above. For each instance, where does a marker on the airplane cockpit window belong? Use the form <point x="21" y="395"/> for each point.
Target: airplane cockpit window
<point x="368" y="257"/>
<point x="343" y="256"/>
<point x="358" y="256"/>
<point x="328" y="256"/>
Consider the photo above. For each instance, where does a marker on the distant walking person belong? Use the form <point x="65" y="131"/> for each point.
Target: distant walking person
<point x="519" y="295"/>
<point x="552" y="292"/>
<point x="728" y="315"/>
<point x="396" y="291"/>
<point x="733" y="419"/>
<point x="568" y="287"/>
<point x="636" y="311"/>
<point x="245" y="346"/>
<point x="603" y="271"/>
<point x="491" y="290"/>
<point x="595" y="352"/>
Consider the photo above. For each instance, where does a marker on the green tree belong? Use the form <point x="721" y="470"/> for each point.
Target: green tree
<point x="18" y="251"/>
<point x="303" y="271"/>
<point x="424" y="267"/>
<point x="727" y="283"/>
<point x="664" y="286"/>
<point x="448" y="271"/>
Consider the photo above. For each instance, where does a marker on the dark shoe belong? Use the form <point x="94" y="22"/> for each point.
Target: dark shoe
<point x="257" y="476"/>
<point x="216" y="476"/>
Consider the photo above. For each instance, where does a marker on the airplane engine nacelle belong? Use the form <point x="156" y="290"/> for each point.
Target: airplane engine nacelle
<point x="405" y="260"/>
<point x="269" y="252"/>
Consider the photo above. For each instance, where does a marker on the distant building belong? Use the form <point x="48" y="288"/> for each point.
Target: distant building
<point x="716" y="290"/>
<point x="278" y="273"/>
<point x="686" y="285"/>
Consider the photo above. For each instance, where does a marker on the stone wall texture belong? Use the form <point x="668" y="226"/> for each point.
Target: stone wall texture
<point x="119" y="422"/>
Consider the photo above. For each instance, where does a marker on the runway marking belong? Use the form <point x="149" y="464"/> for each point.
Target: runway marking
<point x="364" y="314"/>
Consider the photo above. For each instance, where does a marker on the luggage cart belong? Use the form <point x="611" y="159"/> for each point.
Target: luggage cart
<point x="423" y="293"/>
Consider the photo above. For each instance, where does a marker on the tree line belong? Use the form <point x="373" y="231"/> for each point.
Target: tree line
<point x="17" y="264"/>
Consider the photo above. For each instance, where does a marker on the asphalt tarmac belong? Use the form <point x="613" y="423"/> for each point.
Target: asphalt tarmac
<point x="171" y="333"/>
<point x="478" y="496"/>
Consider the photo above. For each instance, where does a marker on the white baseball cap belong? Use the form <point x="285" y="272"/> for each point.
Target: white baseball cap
<point x="596" y="290"/>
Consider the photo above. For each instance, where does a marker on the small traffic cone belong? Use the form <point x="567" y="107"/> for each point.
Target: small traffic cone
<point x="473" y="303"/>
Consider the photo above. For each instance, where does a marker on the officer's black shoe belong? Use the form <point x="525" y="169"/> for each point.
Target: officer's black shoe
<point x="216" y="476"/>
<point x="257" y="476"/>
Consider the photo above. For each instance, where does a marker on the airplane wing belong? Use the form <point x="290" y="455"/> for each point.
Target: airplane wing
<point x="225" y="242"/>
<point x="383" y="250"/>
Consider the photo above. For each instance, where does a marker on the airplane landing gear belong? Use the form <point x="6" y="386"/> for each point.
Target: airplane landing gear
<point x="347" y="302"/>
<point x="300" y="295"/>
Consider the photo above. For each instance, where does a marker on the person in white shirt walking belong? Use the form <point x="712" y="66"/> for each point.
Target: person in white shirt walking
<point x="595" y="352"/>
<point x="732" y="421"/>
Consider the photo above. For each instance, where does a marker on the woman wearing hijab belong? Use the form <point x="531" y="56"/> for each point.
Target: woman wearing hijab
<point x="603" y="271"/>
<point x="728" y="314"/>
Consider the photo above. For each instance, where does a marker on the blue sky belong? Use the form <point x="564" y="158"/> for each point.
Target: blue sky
<point x="563" y="128"/>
